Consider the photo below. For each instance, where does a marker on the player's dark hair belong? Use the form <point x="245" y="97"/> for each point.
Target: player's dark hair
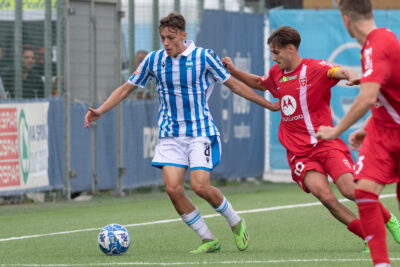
<point x="174" y="21"/>
<point x="284" y="36"/>
<point x="356" y="10"/>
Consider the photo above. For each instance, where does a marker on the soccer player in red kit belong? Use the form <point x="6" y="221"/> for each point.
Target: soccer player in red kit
<point x="378" y="162"/>
<point x="303" y="88"/>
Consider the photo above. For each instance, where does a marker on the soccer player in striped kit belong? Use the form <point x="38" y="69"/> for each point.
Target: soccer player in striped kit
<point x="378" y="162"/>
<point x="185" y="77"/>
<point x="303" y="87"/>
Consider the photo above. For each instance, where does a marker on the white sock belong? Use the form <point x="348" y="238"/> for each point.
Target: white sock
<point x="383" y="265"/>
<point x="226" y="210"/>
<point x="196" y="222"/>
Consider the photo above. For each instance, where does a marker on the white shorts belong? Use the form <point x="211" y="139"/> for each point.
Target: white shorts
<point x="196" y="153"/>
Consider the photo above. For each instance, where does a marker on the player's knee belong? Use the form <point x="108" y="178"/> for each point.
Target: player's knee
<point x="174" y="191"/>
<point x="346" y="186"/>
<point x="200" y="189"/>
<point x="328" y="200"/>
<point x="348" y="193"/>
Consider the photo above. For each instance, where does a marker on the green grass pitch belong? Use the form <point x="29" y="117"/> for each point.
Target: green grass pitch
<point x="280" y="236"/>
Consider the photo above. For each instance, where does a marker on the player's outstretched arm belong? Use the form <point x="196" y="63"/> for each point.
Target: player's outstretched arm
<point x="241" y="89"/>
<point x="363" y="102"/>
<point x="346" y="74"/>
<point x="114" y="99"/>
<point x="249" y="79"/>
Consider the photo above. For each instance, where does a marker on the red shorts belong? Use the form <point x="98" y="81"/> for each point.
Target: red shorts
<point x="379" y="158"/>
<point x="331" y="158"/>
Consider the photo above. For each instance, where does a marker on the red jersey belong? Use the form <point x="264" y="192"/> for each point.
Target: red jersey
<point x="380" y="60"/>
<point x="304" y="95"/>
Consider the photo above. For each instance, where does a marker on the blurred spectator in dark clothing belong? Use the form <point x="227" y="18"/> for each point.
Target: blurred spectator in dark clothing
<point x="32" y="83"/>
<point x="3" y="64"/>
<point x="39" y="63"/>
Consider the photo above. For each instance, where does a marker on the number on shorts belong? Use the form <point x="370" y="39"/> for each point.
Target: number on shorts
<point x="299" y="168"/>
<point x="359" y="164"/>
<point x="207" y="150"/>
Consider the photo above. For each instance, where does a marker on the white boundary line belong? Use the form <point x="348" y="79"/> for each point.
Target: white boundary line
<point x="172" y="220"/>
<point x="190" y="263"/>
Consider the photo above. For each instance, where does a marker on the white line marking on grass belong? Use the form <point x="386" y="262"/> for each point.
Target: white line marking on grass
<point x="179" y="219"/>
<point x="190" y="263"/>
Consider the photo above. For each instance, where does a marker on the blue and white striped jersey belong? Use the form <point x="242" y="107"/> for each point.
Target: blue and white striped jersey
<point x="184" y="84"/>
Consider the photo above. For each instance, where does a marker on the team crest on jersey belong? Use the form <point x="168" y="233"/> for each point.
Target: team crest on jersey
<point x="288" y="105"/>
<point x="163" y="64"/>
<point x="287" y="78"/>
<point x="189" y="65"/>
<point x="303" y="81"/>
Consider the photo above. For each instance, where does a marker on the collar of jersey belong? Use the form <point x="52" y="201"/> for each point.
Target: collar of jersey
<point x="189" y="48"/>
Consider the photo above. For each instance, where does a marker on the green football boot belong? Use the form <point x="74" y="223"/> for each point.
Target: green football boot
<point x="208" y="246"/>
<point x="394" y="228"/>
<point x="241" y="235"/>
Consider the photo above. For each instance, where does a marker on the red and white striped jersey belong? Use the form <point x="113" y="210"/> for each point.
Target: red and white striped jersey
<point x="380" y="60"/>
<point x="304" y="95"/>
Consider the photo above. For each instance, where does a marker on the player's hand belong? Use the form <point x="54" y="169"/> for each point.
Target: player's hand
<point x="228" y="64"/>
<point x="274" y="106"/>
<point x="92" y="115"/>
<point x="326" y="133"/>
<point x="353" y="81"/>
<point x="356" y="139"/>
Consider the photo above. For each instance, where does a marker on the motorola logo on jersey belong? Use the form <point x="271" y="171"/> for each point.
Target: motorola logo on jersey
<point x="293" y="118"/>
<point x="288" y="105"/>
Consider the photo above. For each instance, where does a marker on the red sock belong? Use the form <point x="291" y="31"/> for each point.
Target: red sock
<point x="356" y="228"/>
<point x="398" y="192"/>
<point x="373" y="225"/>
<point x="386" y="214"/>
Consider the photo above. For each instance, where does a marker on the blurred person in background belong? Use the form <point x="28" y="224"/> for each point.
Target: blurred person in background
<point x="3" y="63"/>
<point x="32" y="83"/>
<point x="189" y="139"/>
<point x="378" y="162"/>
<point x="143" y="93"/>
<point x="3" y="67"/>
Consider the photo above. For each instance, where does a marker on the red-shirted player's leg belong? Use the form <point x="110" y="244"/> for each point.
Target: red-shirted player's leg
<point x="356" y="228"/>
<point x="398" y="193"/>
<point x="317" y="183"/>
<point x="369" y="207"/>
<point x="345" y="184"/>
<point x="386" y="214"/>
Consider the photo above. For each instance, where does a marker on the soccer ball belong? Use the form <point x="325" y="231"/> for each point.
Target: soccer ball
<point x="114" y="239"/>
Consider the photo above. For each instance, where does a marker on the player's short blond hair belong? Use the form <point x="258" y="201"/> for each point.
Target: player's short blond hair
<point x="356" y="10"/>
